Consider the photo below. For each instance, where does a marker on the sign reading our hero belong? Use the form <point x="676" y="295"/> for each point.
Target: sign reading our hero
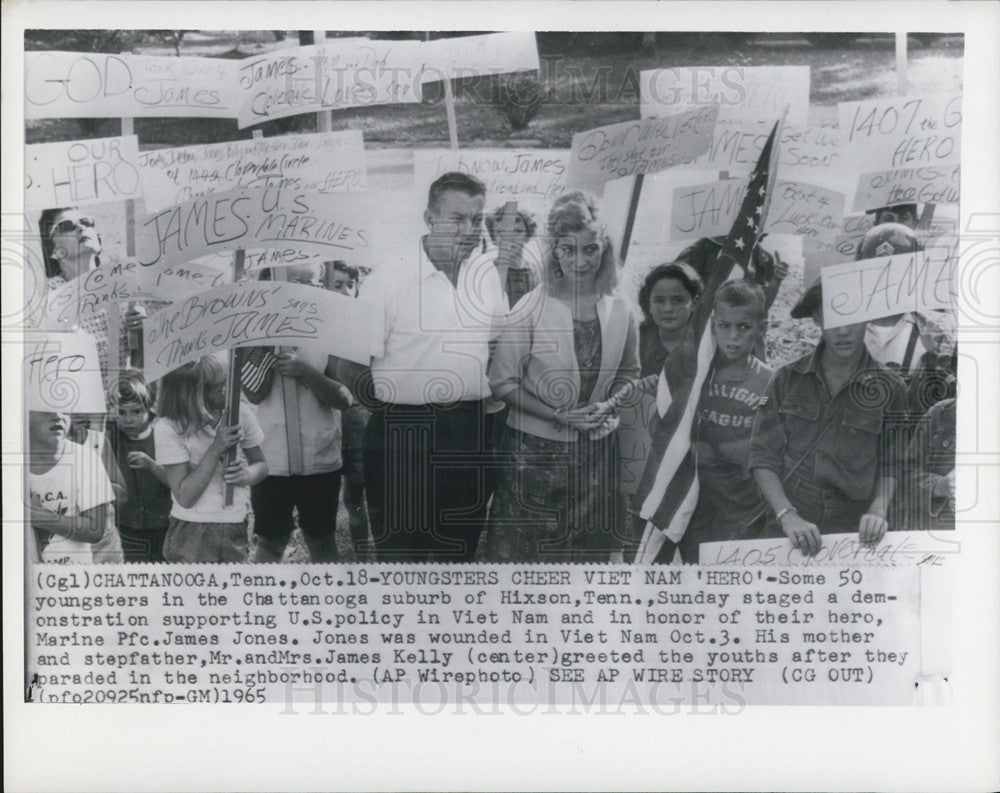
<point x="325" y="162"/>
<point x="94" y="85"/>
<point x="334" y="225"/>
<point x="81" y="172"/>
<point x="888" y="285"/>
<point x="339" y="73"/>
<point x="252" y="313"/>
<point x="62" y="373"/>
<point x="533" y="178"/>
<point x="633" y="147"/>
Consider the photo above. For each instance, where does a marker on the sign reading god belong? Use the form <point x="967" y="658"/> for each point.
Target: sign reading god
<point x="81" y="172"/>
<point x="741" y="92"/>
<point x="93" y="85"/>
<point x="903" y="132"/>
<point x="533" y="178"/>
<point x="337" y="74"/>
<point x="333" y="225"/>
<point x="934" y="184"/>
<point x="62" y="373"/>
<point x="252" y="313"/>
<point x="888" y="285"/>
<point x="633" y="147"/>
<point x="471" y="56"/>
<point x="325" y="162"/>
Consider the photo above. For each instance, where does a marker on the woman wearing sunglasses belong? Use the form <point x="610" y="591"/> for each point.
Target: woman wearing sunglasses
<point x="71" y="246"/>
<point x="567" y="344"/>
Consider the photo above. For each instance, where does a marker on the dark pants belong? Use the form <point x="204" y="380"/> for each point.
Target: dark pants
<point x="830" y="510"/>
<point x="425" y="480"/>
<point x="315" y="496"/>
<point x="142" y="545"/>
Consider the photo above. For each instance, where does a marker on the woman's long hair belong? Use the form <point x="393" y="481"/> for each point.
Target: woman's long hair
<point x="45" y="223"/>
<point x="571" y="213"/>
<point x="182" y="394"/>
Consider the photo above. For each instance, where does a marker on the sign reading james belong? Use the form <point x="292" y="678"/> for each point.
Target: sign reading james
<point x="336" y="225"/>
<point x="325" y="162"/>
<point x="94" y="85"/>
<point x="882" y="287"/>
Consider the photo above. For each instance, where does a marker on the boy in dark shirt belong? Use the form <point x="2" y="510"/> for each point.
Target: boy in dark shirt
<point x="730" y="506"/>
<point x="143" y="519"/>
<point x="827" y="441"/>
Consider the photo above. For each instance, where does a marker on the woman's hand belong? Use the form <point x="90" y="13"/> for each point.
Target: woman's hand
<point x="134" y="318"/>
<point x="871" y="528"/>
<point x="584" y="418"/>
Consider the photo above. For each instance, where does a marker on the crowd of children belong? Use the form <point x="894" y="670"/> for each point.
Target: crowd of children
<point x="844" y="439"/>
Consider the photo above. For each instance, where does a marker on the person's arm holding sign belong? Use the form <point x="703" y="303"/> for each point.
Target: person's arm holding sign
<point x="324" y="385"/>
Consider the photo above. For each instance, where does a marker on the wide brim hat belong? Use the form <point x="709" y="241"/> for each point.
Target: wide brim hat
<point x="811" y="299"/>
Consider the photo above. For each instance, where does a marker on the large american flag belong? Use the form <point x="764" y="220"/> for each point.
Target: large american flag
<point x="668" y="491"/>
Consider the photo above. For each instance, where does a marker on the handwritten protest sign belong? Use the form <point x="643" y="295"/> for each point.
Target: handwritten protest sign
<point x="633" y="147"/>
<point x="805" y="210"/>
<point x="888" y="285"/>
<point x="814" y="155"/>
<point x="741" y="92"/>
<point x="533" y="178"/>
<point x="901" y="548"/>
<point x="62" y="373"/>
<point x="94" y="85"/>
<point x="933" y="184"/>
<point x="339" y="73"/>
<point x="468" y="56"/>
<point x="81" y="172"/>
<point x="325" y="162"/>
<point x="705" y="210"/>
<point x="252" y="313"/>
<point x="709" y="209"/>
<point x="335" y="225"/>
<point x="903" y="132"/>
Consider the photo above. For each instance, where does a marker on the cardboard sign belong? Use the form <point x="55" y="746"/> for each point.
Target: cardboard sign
<point x="336" y="74"/>
<point x="95" y="85"/>
<point x="934" y="184"/>
<point x="814" y="155"/>
<point x="336" y="226"/>
<point x="903" y="132"/>
<point x="888" y="285"/>
<point x="252" y="313"/>
<point x="80" y="172"/>
<point x="632" y="147"/>
<point x="705" y="210"/>
<point x="62" y="373"/>
<point x="469" y="56"/>
<point x="533" y="178"/>
<point x="805" y="210"/>
<point x="898" y="548"/>
<point x="741" y="92"/>
<point x="325" y="162"/>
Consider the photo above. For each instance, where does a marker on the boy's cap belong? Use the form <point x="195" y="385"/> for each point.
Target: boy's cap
<point x="811" y="299"/>
<point x="887" y="240"/>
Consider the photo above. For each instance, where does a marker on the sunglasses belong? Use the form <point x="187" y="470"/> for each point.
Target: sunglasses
<point x="69" y="225"/>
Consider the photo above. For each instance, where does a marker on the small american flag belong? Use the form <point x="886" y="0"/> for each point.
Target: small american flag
<point x="257" y="372"/>
<point x="668" y="491"/>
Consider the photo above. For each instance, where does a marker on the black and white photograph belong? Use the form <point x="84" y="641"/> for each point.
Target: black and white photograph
<point x="513" y="363"/>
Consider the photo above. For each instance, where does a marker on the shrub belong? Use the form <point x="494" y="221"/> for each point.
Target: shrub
<point x="519" y="97"/>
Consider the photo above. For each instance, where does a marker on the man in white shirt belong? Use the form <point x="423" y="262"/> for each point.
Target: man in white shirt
<point x="426" y="446"/>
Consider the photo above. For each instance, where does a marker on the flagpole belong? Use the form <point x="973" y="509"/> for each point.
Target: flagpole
<point x="633" y="207"/>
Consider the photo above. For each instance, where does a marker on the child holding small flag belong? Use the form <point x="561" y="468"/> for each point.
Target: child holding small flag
<point x="314" y="490"/>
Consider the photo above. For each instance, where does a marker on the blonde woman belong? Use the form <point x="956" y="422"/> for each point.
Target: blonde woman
<point x="568" y="344"/>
